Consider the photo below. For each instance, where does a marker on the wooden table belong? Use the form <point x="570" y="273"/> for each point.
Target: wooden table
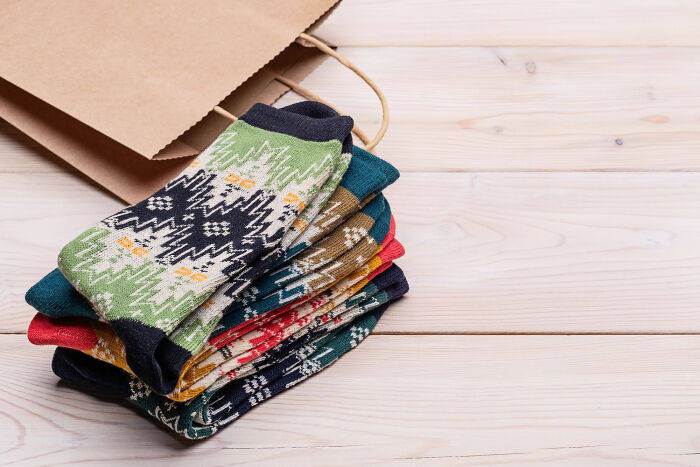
<point x="550" y="207"/>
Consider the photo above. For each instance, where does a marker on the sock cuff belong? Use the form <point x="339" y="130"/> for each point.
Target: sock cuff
<point x="392" y="275"/>
<point x="367" y="174"/>
<point x="311" y="121"/>
<point x="54" y="296"/>
<point x="375" y="208"/>
<point x="73" y="333"/>
<point x="397" y="290"/>
<point x="79" y="368"/>
<point x="379" y="270"/>
<point x="382" y="225"/>
<point x="392" y="232"/>
<point x="391" y="174"/>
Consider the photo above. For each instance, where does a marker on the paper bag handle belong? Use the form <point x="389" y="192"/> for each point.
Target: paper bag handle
<point x="323" y="47"/>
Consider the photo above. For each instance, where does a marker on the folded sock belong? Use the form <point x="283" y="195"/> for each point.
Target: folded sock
<point x="315" y="282"/>
<point x="370" y="224"/>
<point x="387" y="288"/>
<point x="196" y="328"/>
<point x="54" y="296"/>
<point x="247" y="353"/>
<point x="233" y="353"/>
<point x="99" y="340"/>
<point x="323" y="325"/>
<point x="215" y="409"/>
<point x="347" y="286"/>
<point x="357" y="278"/>
<point x="262" y="311"/>
<point x="366" y="176"/>
<point x="147" y="267"/>
<point x="311" y="207"/>
<point x="108" y="346"/>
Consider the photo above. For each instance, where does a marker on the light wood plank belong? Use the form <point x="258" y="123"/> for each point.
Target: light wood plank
<point x="513" y="22"/>
<point x="573" y="400"/>
<point x="506" y="109"/>
<point x="548" y="252"/>
<point x="535" y="252"/>
<point x="538" y="252"/>
<point x="41" y="212"/>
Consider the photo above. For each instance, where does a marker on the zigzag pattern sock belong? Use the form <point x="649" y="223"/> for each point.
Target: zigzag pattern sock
<point x="389" y="250"/>
<point x="197" y="327"/>
<point x="244" y="355"/>
<point x="366" y="176"/>
<point x="100" y="341"/>
<point x="238" y="346"/>
<point x="372" y="220"/>
<point x="235" y="352"/>
<point x="343" y="240"/>
<point x="283" y="248"/>
<point x="103" y="344"/>
<point x="315" y="205"/>
<point x="87" y="335"/>
<point x="385" y="288"/>
<point x="348" y="284"/>
<point x="239" y="282"/>
<point x="331" y="246"/>
<point x="216" y="408"/>
<point x="307" y="287"/>
<point x="147" y="267"/>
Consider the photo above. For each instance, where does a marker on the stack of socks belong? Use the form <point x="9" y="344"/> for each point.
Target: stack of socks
<point x="262" y="263"/>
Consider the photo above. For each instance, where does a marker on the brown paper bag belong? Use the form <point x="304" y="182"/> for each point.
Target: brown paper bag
<point x="124" y="91"/>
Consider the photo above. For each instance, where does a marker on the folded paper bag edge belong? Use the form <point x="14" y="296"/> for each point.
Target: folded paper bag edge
<point x="132" y="113"/>
<point x="313" y="24"/>
<point x="295" y="63"/>
<point x="121" y="171"/>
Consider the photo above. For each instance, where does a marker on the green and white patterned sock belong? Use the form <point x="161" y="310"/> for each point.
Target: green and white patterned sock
<point x="145" y="268"/>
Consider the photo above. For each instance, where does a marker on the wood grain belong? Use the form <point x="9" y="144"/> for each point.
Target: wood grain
<point x="536" y="252"/>
<point x="508" y="109"/>
<point x="548" y="252"/>
<point x="525" y="109"/>
<point x="550" y="186"/>
<point x="374" y="23"/>
<point x="568" y="400"/>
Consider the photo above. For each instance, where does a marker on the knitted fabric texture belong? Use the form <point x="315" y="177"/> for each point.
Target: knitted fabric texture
<point x="316" y="281"/>
<point x="111" y="349"/>
<point x="88" y="336"/>
<point x="203" y="317"/>
<point x="191" y="334"/>
<point x="261" y="264"/>
<point x="367" y="271"/>
<point x="384" y="288"/>
<point x="232" y="353"/>
<point x="372" y="220"/>
<point x="302" y="356"/>
<point x="206" y="415"/>
<point x="147" y="267"/>
<point x="227" y="352"/>
<point x="366" y="176"/>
